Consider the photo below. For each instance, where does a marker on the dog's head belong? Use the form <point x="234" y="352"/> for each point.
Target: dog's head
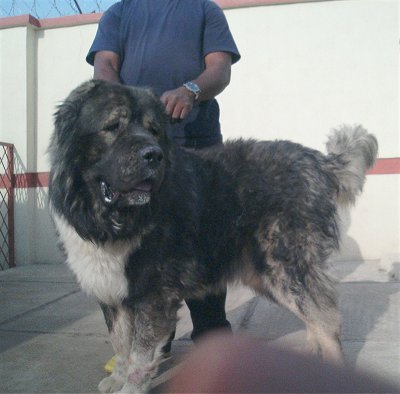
<point x="109" y="149"/>
<point x="115" y="137"/>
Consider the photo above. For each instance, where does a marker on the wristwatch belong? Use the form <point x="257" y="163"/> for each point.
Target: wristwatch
<point x="194" y="88"/>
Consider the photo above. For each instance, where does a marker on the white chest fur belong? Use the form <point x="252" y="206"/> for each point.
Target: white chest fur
<point x="100" y="270"/>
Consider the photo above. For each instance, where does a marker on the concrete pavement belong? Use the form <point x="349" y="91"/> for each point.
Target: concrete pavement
<point x="53" y="337"/>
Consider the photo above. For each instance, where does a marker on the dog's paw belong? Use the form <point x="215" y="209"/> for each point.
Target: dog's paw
<point x="129" y="388"/>
<point x="110" y="384"/>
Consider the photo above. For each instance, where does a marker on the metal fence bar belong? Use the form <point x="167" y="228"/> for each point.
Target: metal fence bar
<point x="7" y="183"/>
<point x="10" y="174"/>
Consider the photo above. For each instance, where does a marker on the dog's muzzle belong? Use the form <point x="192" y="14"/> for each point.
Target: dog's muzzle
<point x="130" y="180"/>
<point x="139" y="195"/>
<point x="153" y="155"/>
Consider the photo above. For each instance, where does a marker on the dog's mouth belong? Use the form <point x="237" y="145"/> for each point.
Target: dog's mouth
<point x="139" y="194"/>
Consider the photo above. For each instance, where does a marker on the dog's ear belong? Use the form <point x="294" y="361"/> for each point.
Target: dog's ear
<point x="150" y="107"/>
<point x="68" y="111"/>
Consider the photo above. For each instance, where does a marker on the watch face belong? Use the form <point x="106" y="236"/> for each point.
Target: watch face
<point x="193" y="87"/>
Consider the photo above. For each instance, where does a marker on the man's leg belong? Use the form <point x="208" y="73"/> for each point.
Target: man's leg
<point x="208" y="314"/>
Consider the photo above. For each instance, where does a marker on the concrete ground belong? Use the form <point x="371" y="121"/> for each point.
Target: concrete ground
<point x="53" y="337"/>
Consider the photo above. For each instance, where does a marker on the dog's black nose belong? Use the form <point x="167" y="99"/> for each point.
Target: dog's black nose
<point x="152" y="154"/>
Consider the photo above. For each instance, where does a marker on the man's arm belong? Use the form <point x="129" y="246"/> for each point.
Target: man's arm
<point x="212" y="81"/>
<point x="216" y="76"/>
<point x="107" y="66"/>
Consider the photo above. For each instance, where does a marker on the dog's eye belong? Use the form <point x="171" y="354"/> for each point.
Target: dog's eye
<point x="112" y="126"/>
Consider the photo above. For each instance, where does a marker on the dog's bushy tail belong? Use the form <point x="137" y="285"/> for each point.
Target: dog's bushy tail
<point x="353" y="151"/>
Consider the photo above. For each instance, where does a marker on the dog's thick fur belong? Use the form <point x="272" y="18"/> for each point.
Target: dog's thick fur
<point x="145" y="224"/>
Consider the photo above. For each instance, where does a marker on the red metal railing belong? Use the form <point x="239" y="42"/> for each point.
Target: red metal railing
<point x="7" y="184"/>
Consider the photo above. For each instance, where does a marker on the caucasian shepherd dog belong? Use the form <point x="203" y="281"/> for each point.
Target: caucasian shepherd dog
<point x="146" y="224"/>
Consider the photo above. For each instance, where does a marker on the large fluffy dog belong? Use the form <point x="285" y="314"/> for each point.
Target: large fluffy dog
<point x="146" y="224"/>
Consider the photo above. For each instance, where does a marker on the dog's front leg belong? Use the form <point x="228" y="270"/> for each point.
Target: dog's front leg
<point x="152" y="328"/>
<point x="119" y="323"/>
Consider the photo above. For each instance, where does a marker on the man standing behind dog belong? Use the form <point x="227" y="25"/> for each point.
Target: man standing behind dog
<point x="183" y="49"/>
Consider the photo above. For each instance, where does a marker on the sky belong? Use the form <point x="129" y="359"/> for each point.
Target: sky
<point x="51" y="8"/>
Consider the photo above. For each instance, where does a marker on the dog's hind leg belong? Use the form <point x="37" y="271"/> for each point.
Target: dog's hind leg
<point x="312" y="298"/>
<point x="323" y="325"/>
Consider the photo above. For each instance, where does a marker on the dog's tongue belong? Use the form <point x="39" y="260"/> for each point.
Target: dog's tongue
<point x="144" y="186"/>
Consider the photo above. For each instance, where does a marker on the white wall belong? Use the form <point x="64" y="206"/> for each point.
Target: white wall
<point x="309" y="67"/>
<point x="13" y="89"/>
<point x="61" y="60"/>
<point x="305" y="68"/>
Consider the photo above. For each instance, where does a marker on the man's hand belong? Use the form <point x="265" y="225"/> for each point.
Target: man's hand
<point x="212" y="81"/>
<point x="178" y="103"/>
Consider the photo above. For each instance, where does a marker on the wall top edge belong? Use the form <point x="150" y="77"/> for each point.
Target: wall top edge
<point x="48" y="23"/>
<point x="83" y="19"/>
<point x="229" y="4"/>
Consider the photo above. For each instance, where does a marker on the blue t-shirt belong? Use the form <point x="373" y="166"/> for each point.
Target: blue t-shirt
<point x="162" y="44"/>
